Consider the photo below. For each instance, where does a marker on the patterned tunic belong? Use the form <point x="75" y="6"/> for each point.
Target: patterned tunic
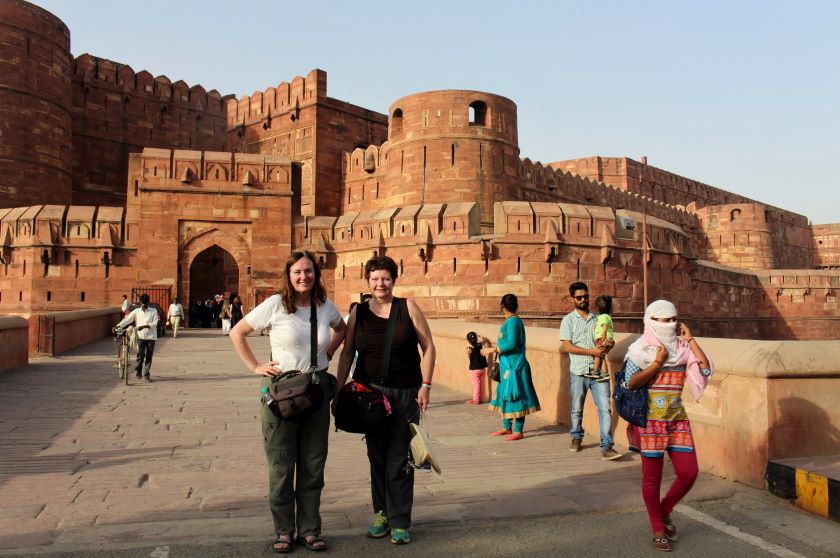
<point x="667" y="427"/>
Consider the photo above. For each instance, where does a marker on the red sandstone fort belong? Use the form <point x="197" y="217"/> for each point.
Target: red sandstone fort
<point x="113" y="180"/>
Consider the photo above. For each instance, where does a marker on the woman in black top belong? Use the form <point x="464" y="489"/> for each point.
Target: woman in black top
<point x="407" y="386"/>
<point x="478" y="366"/>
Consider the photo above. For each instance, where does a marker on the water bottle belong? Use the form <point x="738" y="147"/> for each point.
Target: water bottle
<point x="266" y="398"/>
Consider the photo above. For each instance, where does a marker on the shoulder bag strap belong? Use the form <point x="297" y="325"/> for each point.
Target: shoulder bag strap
<point x="313" y="333"/>
<point x="385" y="365"/>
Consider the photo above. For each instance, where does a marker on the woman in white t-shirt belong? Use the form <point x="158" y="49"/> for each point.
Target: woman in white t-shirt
<point x="296" y="448"/>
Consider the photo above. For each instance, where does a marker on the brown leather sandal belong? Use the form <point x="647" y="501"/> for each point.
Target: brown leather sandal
<point x="313" y="542"/>
<point x="662" y="543"/>
<point x="282" y="544"/>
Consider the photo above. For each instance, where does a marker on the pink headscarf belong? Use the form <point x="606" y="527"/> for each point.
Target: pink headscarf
<point x="643" y="351"/>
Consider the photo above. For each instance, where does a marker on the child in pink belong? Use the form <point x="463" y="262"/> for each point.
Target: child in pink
<point x="478" y="365"/>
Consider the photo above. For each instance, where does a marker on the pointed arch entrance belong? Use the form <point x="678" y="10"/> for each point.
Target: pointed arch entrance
<point x="213" y="271"/>
<point x="212" y="262"/>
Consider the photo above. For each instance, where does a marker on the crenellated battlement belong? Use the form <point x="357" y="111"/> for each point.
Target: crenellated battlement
<point x="91" y="71"/>
<point x="274" y="101"/>
<point x="52" y="226"/>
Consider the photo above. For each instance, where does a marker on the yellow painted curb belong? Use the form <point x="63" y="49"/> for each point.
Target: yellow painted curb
<point x="812" y="492"/>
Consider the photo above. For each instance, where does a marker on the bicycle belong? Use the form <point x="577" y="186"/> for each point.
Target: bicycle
<point x="123" y="348"/>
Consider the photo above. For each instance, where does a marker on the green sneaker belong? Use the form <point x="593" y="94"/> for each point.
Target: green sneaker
<point x="380" y="526"/>
<point x="400" y="536"/>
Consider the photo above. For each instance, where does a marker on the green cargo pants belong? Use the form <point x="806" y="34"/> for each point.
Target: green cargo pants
<point x="296" y="448"/>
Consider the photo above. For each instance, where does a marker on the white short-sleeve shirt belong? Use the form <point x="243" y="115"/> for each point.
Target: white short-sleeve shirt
<point x="289" y="333"/>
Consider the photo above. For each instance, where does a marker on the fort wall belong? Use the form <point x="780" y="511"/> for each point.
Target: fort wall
<point x="299" y="121"/>
<point x="826" y="246"/>
<point x="117" y="111"/>
<point x="755" y="236"/>
<point x="35" y="117"/>
<point x="539" y="248"/>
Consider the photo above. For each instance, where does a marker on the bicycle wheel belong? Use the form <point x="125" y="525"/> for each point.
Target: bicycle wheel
<point x="124" y="362"/>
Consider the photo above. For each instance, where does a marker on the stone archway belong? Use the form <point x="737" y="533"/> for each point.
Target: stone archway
<point x="229" y="273"/>
<point x="212" y="272"/>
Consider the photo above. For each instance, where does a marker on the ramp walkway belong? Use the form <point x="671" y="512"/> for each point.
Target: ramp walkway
<point x="86" y="460"/>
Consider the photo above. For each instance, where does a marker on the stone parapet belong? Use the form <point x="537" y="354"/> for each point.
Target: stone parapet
<point x="14" y="333"/>
<point x="766" y="399"/>
<point x="57" y="333"/>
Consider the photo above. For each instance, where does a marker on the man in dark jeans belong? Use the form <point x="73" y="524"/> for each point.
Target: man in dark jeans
<point x="145" y="320"/>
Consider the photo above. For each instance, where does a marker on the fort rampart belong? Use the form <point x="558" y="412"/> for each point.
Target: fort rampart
<point x="35" y="106"/>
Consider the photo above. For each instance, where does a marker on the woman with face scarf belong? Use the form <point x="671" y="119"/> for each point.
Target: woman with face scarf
<point x="665" y="358"/>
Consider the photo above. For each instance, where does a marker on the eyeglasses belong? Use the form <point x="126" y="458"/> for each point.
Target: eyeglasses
<point x="581" y="297"/>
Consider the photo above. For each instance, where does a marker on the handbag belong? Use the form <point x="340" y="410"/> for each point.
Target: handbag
<point x="363" y="409"/>
<point x="493" y="369"/>
<point x="294" y="393"/>
<point x="632" y="404"/>
<point x="420" y="448"/>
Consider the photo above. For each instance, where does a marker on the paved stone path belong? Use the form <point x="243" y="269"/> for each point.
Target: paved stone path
<point x="88" y="461"/>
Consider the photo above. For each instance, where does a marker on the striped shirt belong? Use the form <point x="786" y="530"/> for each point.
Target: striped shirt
<point x="581" y="332"/>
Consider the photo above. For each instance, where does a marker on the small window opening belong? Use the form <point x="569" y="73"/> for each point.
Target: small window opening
<point x="82" y="296"/>
<point x="136" y="188"/>
<point x="397" y="121"/>
<point x="518" y="265"/>
<point x="454" y="266"/>
<point x="452" y="161"/>
<point x="478" y="113"/>
<point x="49" y="296"/>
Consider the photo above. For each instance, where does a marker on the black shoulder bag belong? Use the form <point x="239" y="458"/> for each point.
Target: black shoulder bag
<point x="294" y="393"/>
<point x="364" y="409"/>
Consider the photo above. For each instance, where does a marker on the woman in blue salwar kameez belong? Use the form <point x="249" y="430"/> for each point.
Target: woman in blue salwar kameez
<point x="515" y="395"/>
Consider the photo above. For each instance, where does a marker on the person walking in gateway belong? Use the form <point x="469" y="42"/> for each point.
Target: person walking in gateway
<point x="665" y="358"/>
<point x="577" y="332"/>
<point x="515" y="395"/>
<point x="125" y="305"/>
<point x="225" y="314"/>
<point x="236" y="310"/>
<point x="145" y="320"/>
<point x="174" y="316"/>
<point x="296" y="448"/>
<point x="407" y="386"/>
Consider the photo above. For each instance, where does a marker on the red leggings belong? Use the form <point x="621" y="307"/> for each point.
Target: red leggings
<point x="685" y="467"/>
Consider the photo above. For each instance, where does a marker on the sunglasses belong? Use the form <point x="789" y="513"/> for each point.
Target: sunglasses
<point x="581" y="297"/>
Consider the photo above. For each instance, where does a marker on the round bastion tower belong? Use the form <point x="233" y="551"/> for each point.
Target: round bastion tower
<point x="35" y="103"/>
<point x="453" y="146"/>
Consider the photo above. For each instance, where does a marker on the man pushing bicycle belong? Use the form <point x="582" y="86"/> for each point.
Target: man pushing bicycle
<point x="145" y="320"/>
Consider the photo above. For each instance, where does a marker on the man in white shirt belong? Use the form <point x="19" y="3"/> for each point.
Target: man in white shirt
<point x="125" y="305"/>
<point x="174" y="316"/>
<point x="145" y="320"/>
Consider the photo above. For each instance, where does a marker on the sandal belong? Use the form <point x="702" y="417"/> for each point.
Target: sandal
<point x="313" y="542"/>
<point x="662" y="543"/>
<point x="671" y="531"/>
<point x="282" y="544"/>
<point x="501" y="433"/>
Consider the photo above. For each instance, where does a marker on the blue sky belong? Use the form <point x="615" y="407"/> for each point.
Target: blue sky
<point x="741" y="95"/>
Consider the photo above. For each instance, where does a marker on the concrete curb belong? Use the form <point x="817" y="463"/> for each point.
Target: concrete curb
<point x="809" y="491"/>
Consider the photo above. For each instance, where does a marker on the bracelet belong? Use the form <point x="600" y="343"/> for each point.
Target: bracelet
<point x="426" y="385"/>
<point x="689" y="340"/>
<point x="659" y="363"/>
